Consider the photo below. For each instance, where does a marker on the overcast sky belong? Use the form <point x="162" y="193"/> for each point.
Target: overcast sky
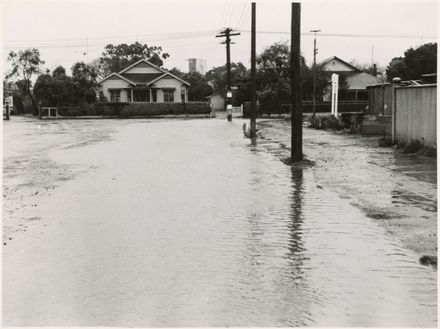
<point x="69" y="31"/>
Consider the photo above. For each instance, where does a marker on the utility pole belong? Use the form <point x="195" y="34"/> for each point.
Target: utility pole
<point x="315" y="51"/>
<point x="253" y="75"/>
<point x="295" y="78"/>
<point x="228" y="33"/>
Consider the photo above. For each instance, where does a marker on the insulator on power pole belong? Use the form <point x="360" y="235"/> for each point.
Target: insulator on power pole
<point x="227" y="33"/>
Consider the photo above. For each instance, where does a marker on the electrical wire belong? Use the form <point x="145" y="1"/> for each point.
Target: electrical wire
<point x="348" y="35"/>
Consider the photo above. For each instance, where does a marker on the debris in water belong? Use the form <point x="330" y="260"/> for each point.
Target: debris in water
<point x="428" y="260"/>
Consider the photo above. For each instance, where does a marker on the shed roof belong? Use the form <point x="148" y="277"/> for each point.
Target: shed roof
<point x="360" y="80"/>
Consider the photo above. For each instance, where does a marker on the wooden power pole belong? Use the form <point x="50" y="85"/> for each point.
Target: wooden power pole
<point x="295" y="78"/>
<point x="253" y="132"/>
<point x="227" y="33"/>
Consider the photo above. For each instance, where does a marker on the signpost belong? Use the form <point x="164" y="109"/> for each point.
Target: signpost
<point x="335" y="86"/>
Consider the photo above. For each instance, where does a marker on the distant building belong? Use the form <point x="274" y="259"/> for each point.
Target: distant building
<point x="197" y="65"/>
<point x="356" y="79"/>
<point x="144" y="82"/>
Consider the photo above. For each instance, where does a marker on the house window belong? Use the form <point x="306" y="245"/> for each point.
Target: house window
<point x="168" y="95"/>
<point x="154" y="95"/>
<point x="115" y="96"/>
<point x="129" y="95"/>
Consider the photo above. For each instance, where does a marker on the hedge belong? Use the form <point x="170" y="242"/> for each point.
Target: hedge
<point x="135" y="109"/>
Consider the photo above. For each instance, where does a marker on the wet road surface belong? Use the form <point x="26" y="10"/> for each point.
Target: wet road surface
<point x="184" y="223"/>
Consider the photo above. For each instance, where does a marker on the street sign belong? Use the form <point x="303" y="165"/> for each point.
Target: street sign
<point x="335" y="86"/>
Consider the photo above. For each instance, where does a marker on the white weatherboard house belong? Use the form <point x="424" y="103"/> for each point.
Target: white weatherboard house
<point x="144" y="82"/>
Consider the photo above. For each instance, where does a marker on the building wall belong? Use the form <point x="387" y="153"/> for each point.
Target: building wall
<point x="171" y="83"/>
<point x="416" y="114"/>
<point x="114" y="84"/>
<point x="197" y="65"/>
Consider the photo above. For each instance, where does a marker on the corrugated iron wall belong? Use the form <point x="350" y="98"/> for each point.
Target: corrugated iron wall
<point x="416" y="114"/>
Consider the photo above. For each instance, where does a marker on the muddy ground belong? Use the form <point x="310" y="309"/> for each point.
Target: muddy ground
<point x="397" y="190"/>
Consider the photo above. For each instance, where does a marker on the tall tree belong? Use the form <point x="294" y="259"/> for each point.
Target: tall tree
<point x="416" y="62"/>
<point x="199" y="89"/>
<point x="421" y="60"/>
<point x="25" y="64"/>
<point x="44" y="90"/>
<point x="117" y="57"/>
<point x="273" y="80"/>
<point x="217" y="76"/>
<point x="84" y="80"/>
<point x="396" y="68"/>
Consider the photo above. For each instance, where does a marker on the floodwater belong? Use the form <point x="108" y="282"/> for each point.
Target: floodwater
<point x="185" y="223"/>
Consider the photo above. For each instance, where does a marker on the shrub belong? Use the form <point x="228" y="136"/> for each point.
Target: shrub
<point x="324" y="122"/>
<point x="155" y="109"/>
<point x="413" y="147"/>
<point x="386" y="141"/>
<point x="134" y="109"/>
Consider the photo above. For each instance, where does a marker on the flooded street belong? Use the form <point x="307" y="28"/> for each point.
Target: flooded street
<point x="138" y="223"/>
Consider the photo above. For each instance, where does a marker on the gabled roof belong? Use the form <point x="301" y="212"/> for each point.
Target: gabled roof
<point x="328" y="60"/>
<point x="141" y="61"/>
<point x="143" y="78"/>
<point x="119" y="76"/>
<point x="169" y="73"/>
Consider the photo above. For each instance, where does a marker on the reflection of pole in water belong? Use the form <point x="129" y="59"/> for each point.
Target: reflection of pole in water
<point x="295" y="242"/>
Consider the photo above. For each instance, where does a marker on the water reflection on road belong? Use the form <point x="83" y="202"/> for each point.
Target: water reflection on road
<point x="184" y="223"/>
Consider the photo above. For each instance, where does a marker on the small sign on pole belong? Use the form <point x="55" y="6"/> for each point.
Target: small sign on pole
<point x="335" y="86"/>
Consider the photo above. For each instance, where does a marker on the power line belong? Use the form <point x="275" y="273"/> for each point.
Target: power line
<point x="350" y="35"/>
<point x="84" y="42"/>
<point x="176" y="34"/>
<point x="245" y="14"/>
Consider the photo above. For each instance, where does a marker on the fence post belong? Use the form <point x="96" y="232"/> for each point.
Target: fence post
<point x="40" y="110"/>
<point x="396" y="83"/>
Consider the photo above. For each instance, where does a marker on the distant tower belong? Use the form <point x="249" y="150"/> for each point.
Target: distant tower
<point x="197" y="65"/>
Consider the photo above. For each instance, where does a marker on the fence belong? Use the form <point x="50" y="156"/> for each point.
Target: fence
<point x="415" y="114"/>
<point x="380" y="99"/>
<point x="307" y="107"/>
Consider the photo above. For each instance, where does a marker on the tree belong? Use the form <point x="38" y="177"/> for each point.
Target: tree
<point x="25" y="64"/>
<point x="273" y="75"/>
<point x="421" y="60"/>
<point x="84" y="81"/>
<point x="44" y="90"/>
<point x="63" y="86"/>
<point x="217" y="76"/>
<point x="199" y="89"/>
<point x="117" y="57"/>
<point x="323" y="78"/>
<point x="416" y="62"/>
<point x="396" y="68"/>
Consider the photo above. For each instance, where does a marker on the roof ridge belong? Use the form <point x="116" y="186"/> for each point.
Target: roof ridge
<point x="138" y="62"/>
